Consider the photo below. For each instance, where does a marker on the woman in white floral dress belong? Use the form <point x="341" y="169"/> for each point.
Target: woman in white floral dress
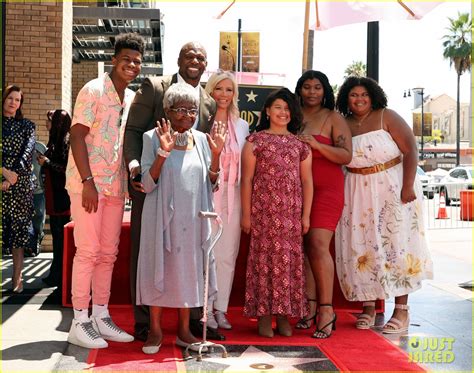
<point x="381" y="247"/>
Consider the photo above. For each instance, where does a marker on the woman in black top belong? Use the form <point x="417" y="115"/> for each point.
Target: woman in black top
<point x="18" y="142"/>
<point x="54" y="163"/>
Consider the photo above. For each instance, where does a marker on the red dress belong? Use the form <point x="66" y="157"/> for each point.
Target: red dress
<point x="328" y="183"/>
<point x="275" y="281"/>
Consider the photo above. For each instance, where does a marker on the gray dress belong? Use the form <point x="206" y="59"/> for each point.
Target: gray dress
<point x="173" y="236"/>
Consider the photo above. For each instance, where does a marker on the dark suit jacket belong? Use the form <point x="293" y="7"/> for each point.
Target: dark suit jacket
<point x="147" y="108"/>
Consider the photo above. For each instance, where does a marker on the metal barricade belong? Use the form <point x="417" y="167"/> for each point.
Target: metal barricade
<point x="458" y="206"/>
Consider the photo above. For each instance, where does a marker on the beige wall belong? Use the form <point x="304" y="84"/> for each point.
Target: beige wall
<point x="443" y="108"/>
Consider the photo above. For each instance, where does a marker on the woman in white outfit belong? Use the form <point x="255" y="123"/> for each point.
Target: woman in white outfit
<point x="381" y="245"/>
<point x="223" y="88"/>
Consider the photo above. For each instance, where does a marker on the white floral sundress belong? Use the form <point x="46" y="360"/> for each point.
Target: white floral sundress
<point x="381" y="247"/>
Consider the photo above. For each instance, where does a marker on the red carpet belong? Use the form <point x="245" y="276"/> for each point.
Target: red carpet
<point x="121" y="277"/>
<point x="349" y="349"/>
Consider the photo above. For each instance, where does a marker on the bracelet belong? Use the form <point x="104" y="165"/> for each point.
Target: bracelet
<point x="163" y="153"/>
<point x="214" y="173"/>
<point x="90" y="177"/>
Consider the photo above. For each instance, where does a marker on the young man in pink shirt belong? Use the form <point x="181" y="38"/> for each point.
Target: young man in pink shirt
<point x="96" y="182"/>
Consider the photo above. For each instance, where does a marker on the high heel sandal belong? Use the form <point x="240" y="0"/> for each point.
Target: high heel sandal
<point x="320" y="333"/>
<point x="306" y="322"/>
<point x="395" y="326"/>
<point x="364" y="320"/>
<point x="18" y="288"/>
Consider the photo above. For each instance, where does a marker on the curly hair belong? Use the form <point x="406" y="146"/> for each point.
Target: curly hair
<point x="180" y="93"/>
<point x="328" y="99"/>
<point x="376" y="93"/>
<point x="129" y="40"/>
<point x="296" y="116"/>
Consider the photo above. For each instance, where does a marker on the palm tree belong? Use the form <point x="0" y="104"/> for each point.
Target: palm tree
<point x="457" y="49"/>
<point x="356" y="68"/>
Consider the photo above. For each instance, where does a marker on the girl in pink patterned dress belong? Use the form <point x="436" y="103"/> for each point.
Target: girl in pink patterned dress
<point x="277" y="191"/>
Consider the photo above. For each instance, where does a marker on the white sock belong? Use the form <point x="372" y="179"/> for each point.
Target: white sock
<point x="99" y="309"/>
<point x="81" y="315"/>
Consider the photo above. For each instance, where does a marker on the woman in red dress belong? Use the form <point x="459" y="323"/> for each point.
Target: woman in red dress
<point x="329" y="136"/>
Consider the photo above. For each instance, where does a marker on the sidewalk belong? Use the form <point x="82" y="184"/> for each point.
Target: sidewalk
<point x="34" y="327"/>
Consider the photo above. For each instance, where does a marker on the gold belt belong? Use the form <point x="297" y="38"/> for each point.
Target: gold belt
<point x="375" y="168"/>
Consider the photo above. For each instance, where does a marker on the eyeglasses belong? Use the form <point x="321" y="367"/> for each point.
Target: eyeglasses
<point x="183" y="111"/>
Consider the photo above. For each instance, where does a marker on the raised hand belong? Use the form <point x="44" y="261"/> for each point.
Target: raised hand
<point x="167" y="139"/>
<point x="217" y="137"/>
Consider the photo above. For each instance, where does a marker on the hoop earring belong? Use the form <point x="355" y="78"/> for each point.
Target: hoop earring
<point x="268" y="118"/>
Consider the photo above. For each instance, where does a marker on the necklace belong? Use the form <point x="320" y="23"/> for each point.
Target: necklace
<point x="360" y="122"/>
<point x="182" y="139"/>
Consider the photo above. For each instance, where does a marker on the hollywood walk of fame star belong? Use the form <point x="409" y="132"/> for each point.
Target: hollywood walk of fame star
<point x="251" y="96"/>
<point x="255" y="360"/>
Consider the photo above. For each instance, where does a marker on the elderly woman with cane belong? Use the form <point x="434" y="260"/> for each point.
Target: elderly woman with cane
<point x="180" y="171"/>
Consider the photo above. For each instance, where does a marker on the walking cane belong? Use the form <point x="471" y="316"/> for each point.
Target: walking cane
<point x="204" y="343"/>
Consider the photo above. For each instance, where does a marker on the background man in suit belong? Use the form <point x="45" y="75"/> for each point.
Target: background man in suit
<point x="146" y="110"/>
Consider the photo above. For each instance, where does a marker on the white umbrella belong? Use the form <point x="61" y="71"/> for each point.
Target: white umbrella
<point x="337" y="13"/>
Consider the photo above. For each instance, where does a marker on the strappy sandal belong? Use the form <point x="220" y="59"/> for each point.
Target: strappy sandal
<point x="306" y="322"/>
<point x="364" y="320"/>
<point x="320" y="333"/>
<point x="395" y="326"/>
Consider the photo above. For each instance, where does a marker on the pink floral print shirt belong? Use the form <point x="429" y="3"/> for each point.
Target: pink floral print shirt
<point x="98" y="107"/>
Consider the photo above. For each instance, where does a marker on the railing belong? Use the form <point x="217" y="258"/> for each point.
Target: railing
<point x="457" y="211"/>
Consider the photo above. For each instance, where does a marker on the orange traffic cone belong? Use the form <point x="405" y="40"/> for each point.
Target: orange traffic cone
<point x="442" y="213"/>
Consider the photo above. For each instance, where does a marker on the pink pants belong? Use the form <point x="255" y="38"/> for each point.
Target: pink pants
<point x="97" y="236"/>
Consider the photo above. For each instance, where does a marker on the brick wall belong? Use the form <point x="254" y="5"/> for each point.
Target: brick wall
<point x="38" y="58"/>
<point x="34" y="56"/>
<point x="81" y="73"/>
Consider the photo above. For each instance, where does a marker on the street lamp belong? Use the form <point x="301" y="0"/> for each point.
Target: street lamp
<point x="421" y="92"/>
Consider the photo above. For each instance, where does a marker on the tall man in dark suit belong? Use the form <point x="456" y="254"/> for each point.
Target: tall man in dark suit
<point x="146" y="110"/>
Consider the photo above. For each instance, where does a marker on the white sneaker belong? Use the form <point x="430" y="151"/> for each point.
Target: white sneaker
<point x="211" y="321"/>
<point x="83" y="334"/>
<point x="222" y="320"/>
<point x="104" y="325"/>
